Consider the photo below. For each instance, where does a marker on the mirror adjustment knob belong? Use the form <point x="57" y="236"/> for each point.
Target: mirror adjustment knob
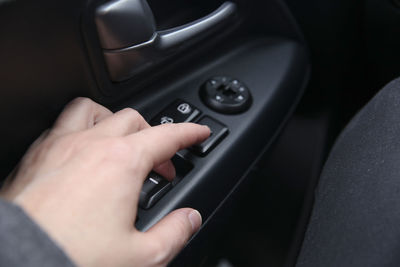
<point x="226" y="95"/>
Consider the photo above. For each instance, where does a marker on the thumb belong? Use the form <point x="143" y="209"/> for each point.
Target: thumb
<point x="171" y="234"/>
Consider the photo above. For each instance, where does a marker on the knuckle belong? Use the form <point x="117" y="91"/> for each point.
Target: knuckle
<point x="82" y="101"/>
<point x="130" y="111"/>
<point x="132" y="114"/>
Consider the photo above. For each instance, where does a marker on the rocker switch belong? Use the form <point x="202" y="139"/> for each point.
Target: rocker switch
<point x="154" y="188"/>
<point x="218" y="132"/>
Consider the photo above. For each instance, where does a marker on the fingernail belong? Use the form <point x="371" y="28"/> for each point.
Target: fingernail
<point x="206" y="126"/>
<point x="195" y="220"/>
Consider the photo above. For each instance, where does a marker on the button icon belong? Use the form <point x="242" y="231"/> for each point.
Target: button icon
<point x="165" y="120"/>
<point x="184" y="108"/>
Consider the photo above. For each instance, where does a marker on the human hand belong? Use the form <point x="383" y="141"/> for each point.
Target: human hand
<point x="80" y="181"/>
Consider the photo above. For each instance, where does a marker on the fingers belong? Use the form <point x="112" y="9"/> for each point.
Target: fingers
<point x="167" y="170"/>
<point x="159" y="144"/>
<point x="80" y="114"/>
<point x="123" y="122"/>
<point x="129" y="121"/>
<point x="171" y="235"/>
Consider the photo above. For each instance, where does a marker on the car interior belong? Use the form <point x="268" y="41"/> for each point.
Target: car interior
<point x="275" y="80"/>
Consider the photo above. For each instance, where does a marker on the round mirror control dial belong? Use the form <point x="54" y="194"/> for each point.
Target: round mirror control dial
<point x="226" y="95"/>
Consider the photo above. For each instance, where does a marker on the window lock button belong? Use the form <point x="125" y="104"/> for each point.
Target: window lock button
<point x="179" y="111"/>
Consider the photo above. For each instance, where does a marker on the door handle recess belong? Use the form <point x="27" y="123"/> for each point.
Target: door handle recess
<point x="131" y="43"/>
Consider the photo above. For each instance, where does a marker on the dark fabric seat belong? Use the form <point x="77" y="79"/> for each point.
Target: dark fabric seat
<point x="356" y="216"/>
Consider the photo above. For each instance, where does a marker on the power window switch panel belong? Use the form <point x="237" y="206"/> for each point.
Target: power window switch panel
<point x="178" y="111"/>
<point x="218" y="133"/>
<point x="154" y="188"/>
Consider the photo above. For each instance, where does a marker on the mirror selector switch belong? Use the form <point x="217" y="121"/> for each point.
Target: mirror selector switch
<point x="218" y="132"/>
<point x="178" y="111"/>
<point x="226" y="95"/>
<point x="154" y="188"/>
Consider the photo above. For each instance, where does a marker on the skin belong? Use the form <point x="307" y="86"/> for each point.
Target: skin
<point x="81" y="179"/>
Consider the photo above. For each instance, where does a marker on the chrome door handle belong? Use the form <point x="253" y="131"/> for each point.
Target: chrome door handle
<point x="131" y="42"/>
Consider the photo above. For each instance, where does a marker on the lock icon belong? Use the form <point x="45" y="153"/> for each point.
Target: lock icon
<point x="184" y="108"/>
<point x="165" y="120"/>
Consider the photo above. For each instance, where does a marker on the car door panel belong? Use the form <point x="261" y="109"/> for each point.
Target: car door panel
<point x="261" y="47"/>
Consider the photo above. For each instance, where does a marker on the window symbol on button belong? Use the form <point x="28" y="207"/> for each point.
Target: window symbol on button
<point x="165" y="120"/>
<point x="184" y="108"/>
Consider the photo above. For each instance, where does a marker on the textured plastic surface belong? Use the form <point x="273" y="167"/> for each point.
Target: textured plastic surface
<point x="275" y="70"/>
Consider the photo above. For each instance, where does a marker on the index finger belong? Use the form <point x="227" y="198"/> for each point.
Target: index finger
<point x="160" y="143"/>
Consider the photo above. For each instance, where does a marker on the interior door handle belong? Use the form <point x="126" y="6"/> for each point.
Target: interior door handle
<point x="131" y="43"/>
<point x="179" y="35"/>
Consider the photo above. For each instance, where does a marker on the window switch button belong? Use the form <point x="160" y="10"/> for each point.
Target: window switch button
<point x="218" y="132"/>
<point x="154" y="188"/>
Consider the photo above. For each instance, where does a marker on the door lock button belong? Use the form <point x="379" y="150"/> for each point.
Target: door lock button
<point x="178" y="111"/>
<point x="226" y="95"/>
